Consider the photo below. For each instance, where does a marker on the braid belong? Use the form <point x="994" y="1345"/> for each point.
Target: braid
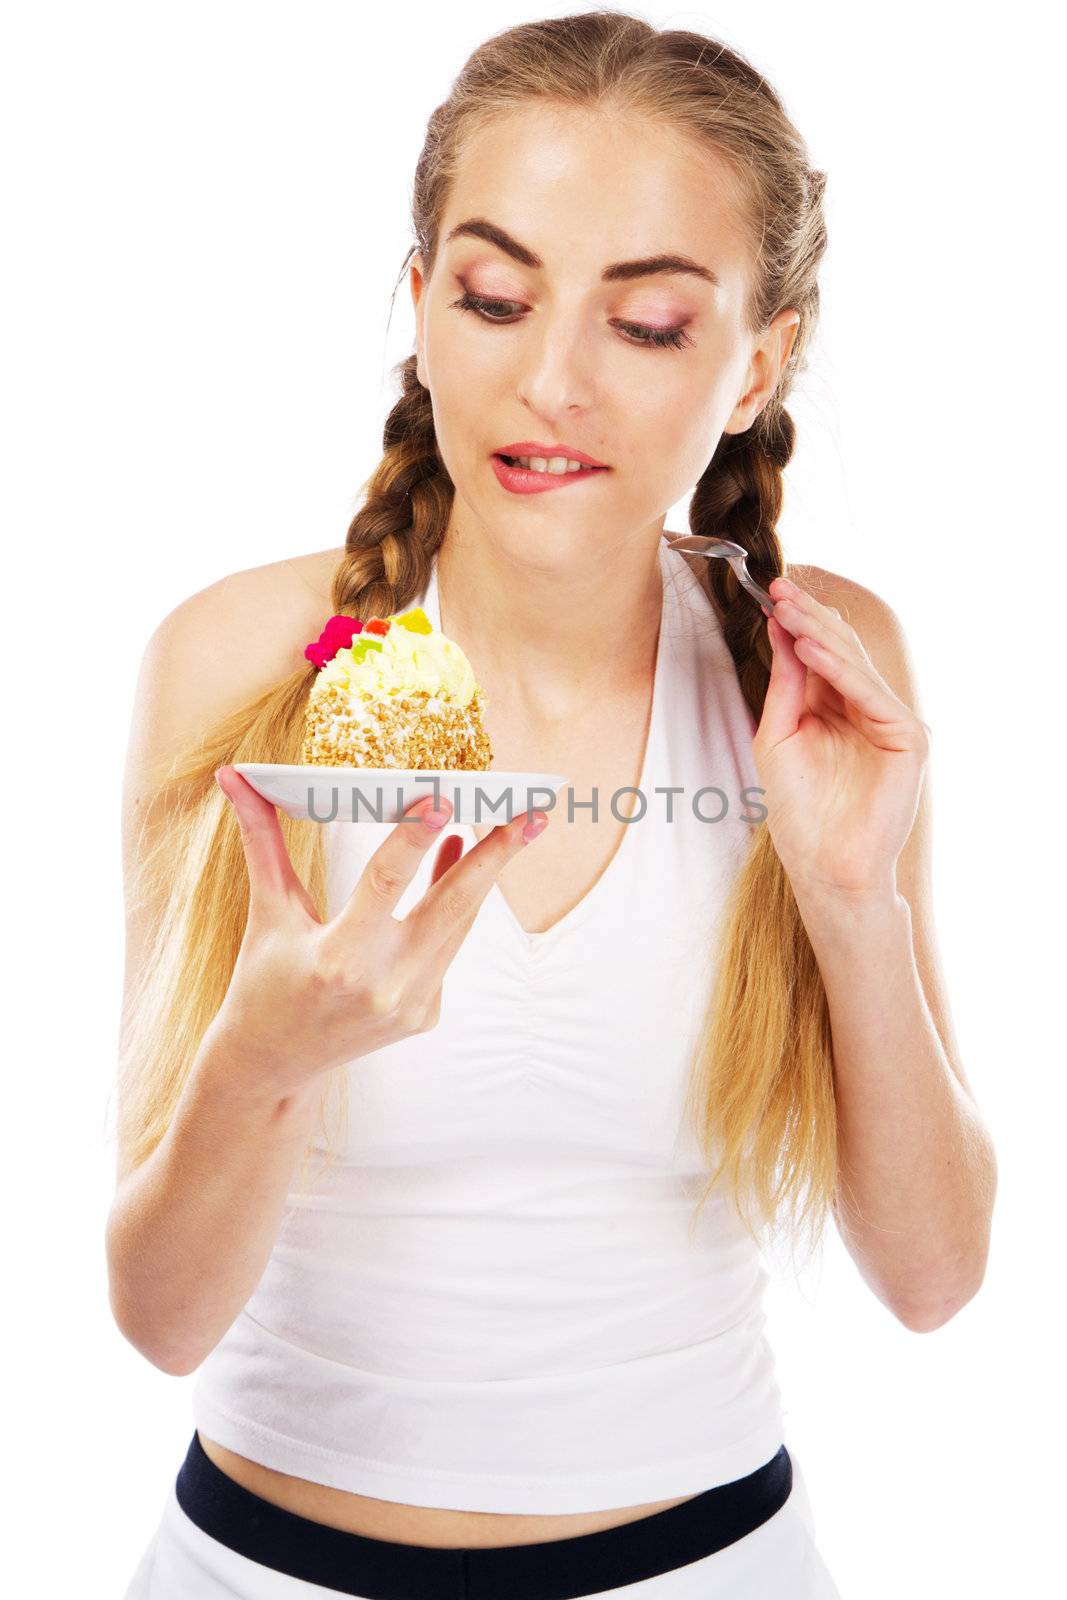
<point x="771" y="1084"/>
<point x="739" y="497"/>
<point x="393" y="536"/>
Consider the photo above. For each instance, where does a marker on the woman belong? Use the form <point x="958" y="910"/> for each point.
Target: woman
<point x="493" y="1350"/>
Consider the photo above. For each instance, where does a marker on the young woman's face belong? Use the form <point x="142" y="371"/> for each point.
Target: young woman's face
<point x="643" y="371"/>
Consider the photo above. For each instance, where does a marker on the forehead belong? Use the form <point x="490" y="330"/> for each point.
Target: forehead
<point x="581" y="187"/>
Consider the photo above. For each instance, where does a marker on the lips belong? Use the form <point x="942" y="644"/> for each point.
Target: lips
<point x="532" y="447"/>
<point x="525" y="480"/>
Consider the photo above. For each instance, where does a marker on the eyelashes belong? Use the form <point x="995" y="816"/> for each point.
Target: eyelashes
<point x="663" y="338"/>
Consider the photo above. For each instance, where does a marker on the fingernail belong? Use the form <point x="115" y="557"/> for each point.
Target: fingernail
<point x="537" y="824"/>
<point x="438" y="818"/>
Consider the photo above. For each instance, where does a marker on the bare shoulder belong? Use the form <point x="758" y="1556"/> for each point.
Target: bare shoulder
<point x="833" y="589"/>
<point x="217" y="650"/>
<point x="231" y="640"/>
<point x="258" y="620"/>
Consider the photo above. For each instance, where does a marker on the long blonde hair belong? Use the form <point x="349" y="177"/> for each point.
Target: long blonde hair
<point x="761" y="1090"/>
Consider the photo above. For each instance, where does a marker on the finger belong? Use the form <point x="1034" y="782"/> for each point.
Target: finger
<point x="859" y="686"/>
<point x="444" y="915"/>
<point x="804" y="623"/>
<point x="784" y="703"/>
<point x="788" y="595"/>
<point x="272" y="877"/>
<point x="447" y="856"/>
<point x="394" y="864"/>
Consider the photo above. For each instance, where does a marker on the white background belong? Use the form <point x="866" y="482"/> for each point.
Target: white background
<point x="206" y="212"/>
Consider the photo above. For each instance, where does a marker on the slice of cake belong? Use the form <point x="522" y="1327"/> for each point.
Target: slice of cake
<point x="393" y="692"/>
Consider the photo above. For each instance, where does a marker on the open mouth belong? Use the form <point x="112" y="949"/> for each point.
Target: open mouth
<point x="524" y="466"/>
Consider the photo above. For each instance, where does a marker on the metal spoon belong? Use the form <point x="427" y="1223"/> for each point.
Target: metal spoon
<point x="706" y="544"/>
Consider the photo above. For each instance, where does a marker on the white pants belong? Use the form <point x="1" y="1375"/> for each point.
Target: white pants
<point x="778" y="1560"/>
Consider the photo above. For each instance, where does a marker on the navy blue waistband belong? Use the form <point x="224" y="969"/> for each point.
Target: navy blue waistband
<point x="557" y="1569"/>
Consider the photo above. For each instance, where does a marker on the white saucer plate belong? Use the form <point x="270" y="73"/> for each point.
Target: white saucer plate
<point x="383" y="794"/>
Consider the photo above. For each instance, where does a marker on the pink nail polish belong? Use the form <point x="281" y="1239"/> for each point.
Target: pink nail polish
<point x="537" y="825"/>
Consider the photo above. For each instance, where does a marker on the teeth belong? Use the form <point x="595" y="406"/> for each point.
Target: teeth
<point x="557" y="464"/>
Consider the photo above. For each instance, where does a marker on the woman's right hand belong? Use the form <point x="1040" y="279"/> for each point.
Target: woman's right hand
<point x="306" y="996"/>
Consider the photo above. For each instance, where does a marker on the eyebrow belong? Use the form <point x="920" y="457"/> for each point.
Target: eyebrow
<point x="479" y="228"/>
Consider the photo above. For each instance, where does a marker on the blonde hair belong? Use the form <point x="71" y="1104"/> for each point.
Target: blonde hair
<point x="761" y="1090"/>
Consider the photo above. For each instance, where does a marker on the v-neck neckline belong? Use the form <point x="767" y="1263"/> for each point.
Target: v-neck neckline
<point x="537" y="939"/>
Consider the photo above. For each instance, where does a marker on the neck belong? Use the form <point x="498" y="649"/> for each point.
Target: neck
<point x="551" y="638"/>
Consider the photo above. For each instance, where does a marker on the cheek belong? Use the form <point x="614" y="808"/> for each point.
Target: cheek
<point x="679" y="417"/>
<point x="459" y="338"/>
<point x="469" y="383"/>
<point x="685" y="465"/>
<point x="459" y="378"/>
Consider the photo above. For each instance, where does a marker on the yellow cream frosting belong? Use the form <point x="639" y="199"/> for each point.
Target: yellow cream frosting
<point x="407" y="660"/>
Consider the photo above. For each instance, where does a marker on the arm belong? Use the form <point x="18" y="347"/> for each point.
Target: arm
<point x="918" y="1168"/>
<point x="191" y="1229"/>
<point x="918" y="1172"/>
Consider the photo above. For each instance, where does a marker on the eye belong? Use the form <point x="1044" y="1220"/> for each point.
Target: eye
<point x="673" y="338"/>
<point x="485" y="308"/>
<point x="670" y="338"/>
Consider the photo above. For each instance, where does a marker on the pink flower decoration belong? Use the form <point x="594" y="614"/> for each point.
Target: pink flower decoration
<point x="337" y="635"/>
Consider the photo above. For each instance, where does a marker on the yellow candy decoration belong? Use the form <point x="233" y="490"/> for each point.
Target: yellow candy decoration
<point x="416" y="620"/>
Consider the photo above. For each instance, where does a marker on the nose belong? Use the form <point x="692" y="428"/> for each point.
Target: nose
<point x="555" y="376"/>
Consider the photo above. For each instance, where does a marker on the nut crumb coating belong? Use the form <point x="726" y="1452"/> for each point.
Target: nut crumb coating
<point x="402" y="731"/>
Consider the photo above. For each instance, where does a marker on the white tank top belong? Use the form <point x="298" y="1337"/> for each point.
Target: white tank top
<point x="492" y="1301"/>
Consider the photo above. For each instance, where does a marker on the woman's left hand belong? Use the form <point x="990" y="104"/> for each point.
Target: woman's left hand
<point x="840" y="757"/>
